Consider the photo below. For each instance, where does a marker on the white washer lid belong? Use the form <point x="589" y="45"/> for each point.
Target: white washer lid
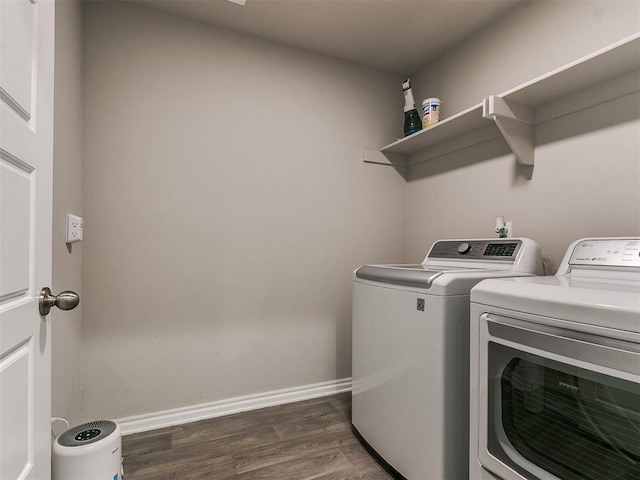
<point x="410" y="275"/>
<point x="427" y="281"/>
<point x="605" y="303"/>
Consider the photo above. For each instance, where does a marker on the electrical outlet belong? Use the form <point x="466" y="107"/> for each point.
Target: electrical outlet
<point x="74" y="228"/>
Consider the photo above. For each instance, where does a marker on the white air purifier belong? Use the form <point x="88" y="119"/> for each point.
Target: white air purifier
<point x="89" y="451"/>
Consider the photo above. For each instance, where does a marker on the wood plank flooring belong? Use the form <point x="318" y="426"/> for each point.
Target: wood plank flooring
<point x="298" y="441"/>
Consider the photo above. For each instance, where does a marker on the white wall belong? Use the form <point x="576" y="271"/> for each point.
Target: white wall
<point x="226" y="204"/>
<point x="528" y="41"/>
<point x="586" y="179"/>
<point x="67" y="198"/>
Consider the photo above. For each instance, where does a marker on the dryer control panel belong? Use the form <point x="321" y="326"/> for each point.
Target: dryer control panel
<point x="607" y="252"/>
<point x="498" y="249"/>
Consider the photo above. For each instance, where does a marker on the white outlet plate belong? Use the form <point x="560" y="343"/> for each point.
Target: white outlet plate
<point x="75" y="228"/>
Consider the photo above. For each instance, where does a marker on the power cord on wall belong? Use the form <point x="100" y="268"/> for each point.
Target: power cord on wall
<point x="58" y="419"/>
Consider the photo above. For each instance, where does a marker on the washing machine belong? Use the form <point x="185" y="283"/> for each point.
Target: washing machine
<point x="555" y="369"/>
<point x="411" y="352"/>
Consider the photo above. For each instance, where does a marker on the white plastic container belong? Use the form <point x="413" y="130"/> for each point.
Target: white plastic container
<point x="89" y="451"/>
<point x="430" y="112"/>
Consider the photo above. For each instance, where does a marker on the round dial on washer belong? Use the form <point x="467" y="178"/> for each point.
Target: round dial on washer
<point x="464" y="248"/>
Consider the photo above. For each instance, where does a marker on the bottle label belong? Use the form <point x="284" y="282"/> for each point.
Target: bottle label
<point x="412" y="122"/>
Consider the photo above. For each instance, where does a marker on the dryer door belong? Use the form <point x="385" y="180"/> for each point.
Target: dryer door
<point x="558" y="404"/>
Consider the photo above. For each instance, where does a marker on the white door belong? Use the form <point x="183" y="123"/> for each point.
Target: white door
<point x="26" y="150"/>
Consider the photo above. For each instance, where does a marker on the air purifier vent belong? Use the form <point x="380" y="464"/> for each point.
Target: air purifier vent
<point x="87" y="433"/>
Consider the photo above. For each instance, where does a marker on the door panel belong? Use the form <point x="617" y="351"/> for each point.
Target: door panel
<point x="16" y="442"/>
<point x="17" y="33"/>
<point x="15" y="215"/>
<point x="557" y="403"/>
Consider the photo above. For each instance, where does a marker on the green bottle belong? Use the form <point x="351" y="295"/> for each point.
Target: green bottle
<point x="412" y="120"/>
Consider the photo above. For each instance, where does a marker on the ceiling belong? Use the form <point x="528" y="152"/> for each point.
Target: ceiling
<point x="399" y="36"/>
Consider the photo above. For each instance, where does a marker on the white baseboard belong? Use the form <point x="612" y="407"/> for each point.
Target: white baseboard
<point x="179" y="416"/>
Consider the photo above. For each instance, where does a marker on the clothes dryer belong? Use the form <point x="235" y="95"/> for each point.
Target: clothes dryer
<point x="555" y="369"/>
<point x="411" y="352"/>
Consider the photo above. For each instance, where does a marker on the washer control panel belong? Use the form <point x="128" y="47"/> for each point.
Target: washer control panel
<point x="500" y="249"/>
<point x="607" y="252"/>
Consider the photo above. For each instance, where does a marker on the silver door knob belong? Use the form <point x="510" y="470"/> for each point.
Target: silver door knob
<point x="66" y="300"/>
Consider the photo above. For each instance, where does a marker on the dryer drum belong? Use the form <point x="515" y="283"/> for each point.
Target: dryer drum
<point x="570" y="416"/>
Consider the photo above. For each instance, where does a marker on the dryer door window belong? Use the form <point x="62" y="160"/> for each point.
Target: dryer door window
<point x="563" y="420"/>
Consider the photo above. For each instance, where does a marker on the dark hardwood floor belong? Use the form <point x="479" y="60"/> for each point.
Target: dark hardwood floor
<point x="298" y="441"/>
